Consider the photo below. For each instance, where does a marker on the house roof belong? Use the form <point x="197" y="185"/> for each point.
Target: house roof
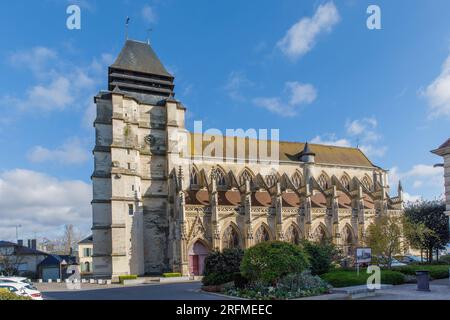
<point x="86" y="240"/>
<point x="139" y="57"/>
<point x="56" y="260"/>
<point x="289" y="151"/>
<point x="21" y="250"/>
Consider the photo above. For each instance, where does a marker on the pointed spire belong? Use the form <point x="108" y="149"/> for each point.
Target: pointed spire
<point x="307" y="155"/>
<point x="307" y="150"/>
<point x="180" y="178"/>
<point x="400" y="188"/>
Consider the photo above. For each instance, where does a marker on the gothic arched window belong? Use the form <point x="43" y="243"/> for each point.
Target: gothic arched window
<point x="367" y="183"/>
<point x="230" y="238"/>
<point x="292" y="235"/>
<point x="347" y="237"/>
<point x="323" y="182"/>
<point x="271" y="180"/>
<point x="297" y="180"/>
<point x="245" y="176"/>
<point x="319" y="234"/>
<point x="194" y="177"/>
<point x="345" y="182"/>
<point x="220" y="178"/>
<point x="262" y="234"/>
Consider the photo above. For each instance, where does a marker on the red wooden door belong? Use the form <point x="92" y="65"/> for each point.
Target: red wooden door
<point x="195" y="265"/>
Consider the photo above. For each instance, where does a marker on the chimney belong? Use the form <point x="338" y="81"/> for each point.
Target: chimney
<point x="20" y="243"/>
<point x="33" y="244"/>
<point x="29" y="243"/>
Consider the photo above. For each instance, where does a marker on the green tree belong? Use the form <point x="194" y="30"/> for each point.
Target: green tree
<point x="220" y="267"/>
<point x="268" y="261"/>
<point x="385" y="237"/>
<point x="427" y="226"/>
<point x="321" y="255"/>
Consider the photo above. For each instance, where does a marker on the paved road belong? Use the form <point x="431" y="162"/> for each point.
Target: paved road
<point x="178" y="291"/>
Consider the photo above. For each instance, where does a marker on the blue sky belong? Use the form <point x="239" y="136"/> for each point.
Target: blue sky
<point x="311" y="68"/>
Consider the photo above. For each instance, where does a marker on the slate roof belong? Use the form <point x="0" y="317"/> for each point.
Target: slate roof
<point x="446" y="144"/>
<point x="290" y="151"/>
<point x="22" y="250"/>
<point x="139" y="57"/>
<point x="86" y="240"/>
<point x="56" y="260"/>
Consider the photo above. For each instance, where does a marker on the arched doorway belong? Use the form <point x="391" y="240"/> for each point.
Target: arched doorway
<point x="197" y="255"/>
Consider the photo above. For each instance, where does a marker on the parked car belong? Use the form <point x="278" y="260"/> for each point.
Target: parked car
<point x="408" y="259"/>
<point x="22" y="289"/>
<point x="15" y="280"/>
<point x="394" y="262"/>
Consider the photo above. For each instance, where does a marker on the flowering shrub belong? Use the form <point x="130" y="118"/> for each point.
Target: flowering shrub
<point x="289" y="287"/>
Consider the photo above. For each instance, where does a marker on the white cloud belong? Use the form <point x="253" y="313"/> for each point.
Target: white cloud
<point x="411" y="198"/>
<point x="71" y="152"/>
<point x="149" y="14"/>
<point x="298" y="94"/>
<point x="363" y="130"/>
<point x="57" y="95"/>
<point x="301" y="93"/>
<point x="236" y="83"/>
<point x="40" y="60"/>
<point x="438" y="92"/>
<point x="59" y="83"/>
<point x="417" y="184"/>
<point x="302" y="36"/>
<point x="41" y="203"/>
<point x="373" y="151"/>
<point x="425" y="178"/>
<point x="331" y="140"/>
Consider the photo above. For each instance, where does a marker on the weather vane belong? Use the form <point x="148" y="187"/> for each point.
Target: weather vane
<point x="148" y="35"/>
<point x="126" y="27"/>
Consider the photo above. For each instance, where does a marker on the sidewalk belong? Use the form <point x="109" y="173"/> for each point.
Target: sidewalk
<point x="439" y="290"/>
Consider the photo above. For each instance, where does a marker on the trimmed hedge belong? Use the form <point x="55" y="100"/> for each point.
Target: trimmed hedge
<point x="436" y="271"/>
<point x="344" y="278"/>
<point x="127" y="277"/>
<point x="172" y="275"/>
<point x="7" y="295"/>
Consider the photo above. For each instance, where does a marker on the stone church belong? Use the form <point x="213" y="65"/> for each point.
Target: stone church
<point x="161" y="204"/>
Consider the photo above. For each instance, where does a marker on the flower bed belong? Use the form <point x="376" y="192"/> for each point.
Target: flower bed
<point x="289" y="287"/>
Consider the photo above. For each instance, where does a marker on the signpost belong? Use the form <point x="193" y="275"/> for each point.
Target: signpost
<point x="363" y="255"/>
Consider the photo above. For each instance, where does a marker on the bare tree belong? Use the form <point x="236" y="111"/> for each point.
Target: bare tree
<point x="10" y="260"/>
<point x="70" y="239"/>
